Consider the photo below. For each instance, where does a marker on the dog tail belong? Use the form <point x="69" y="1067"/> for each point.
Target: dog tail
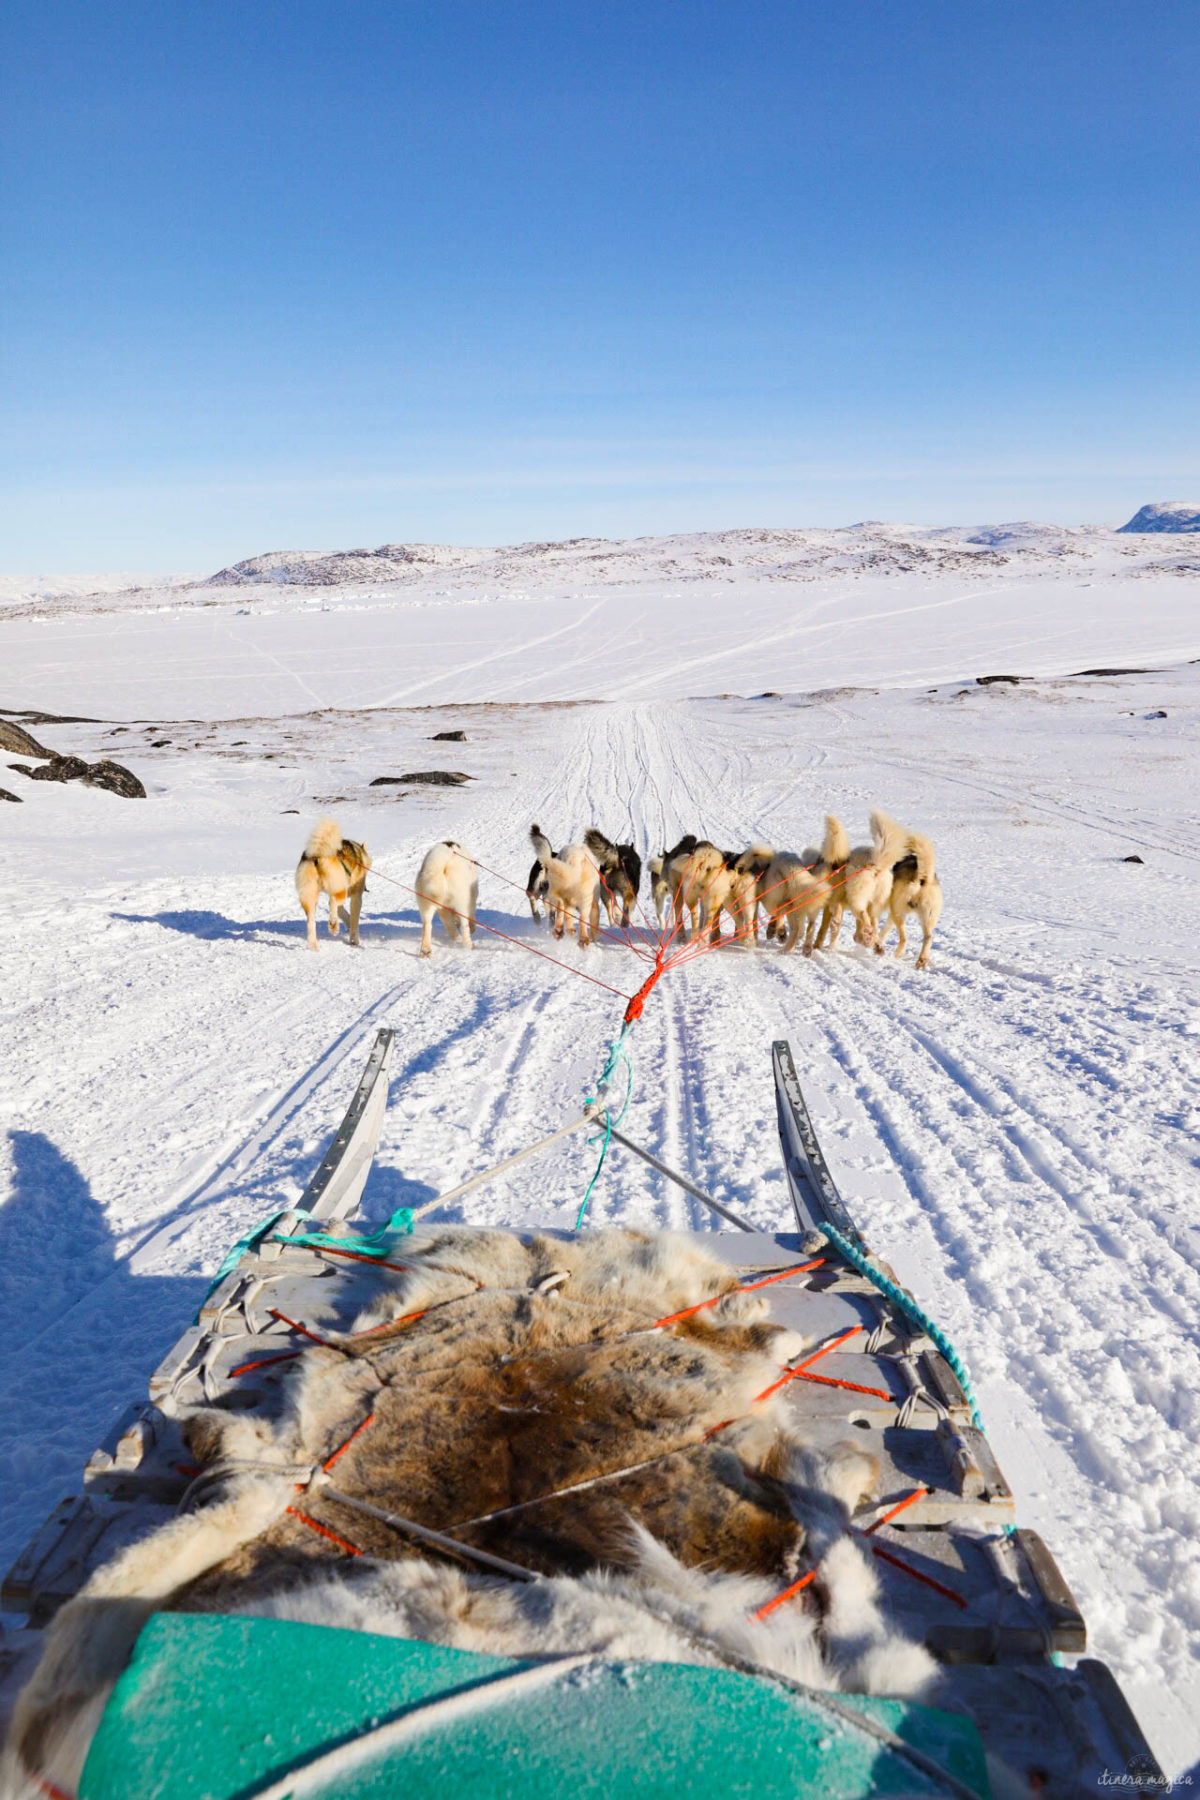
<point x="836" y="845"/>
<point x="756" y="860"/>
<point x="598" y="844"/>
<point x="325" y="839"/>
<point x="890" y="840"/>
<point x="541" y="845"/>
<point x="921" y="848"/>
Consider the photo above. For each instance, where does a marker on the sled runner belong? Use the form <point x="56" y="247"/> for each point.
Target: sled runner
<point x="422" y="1443"/>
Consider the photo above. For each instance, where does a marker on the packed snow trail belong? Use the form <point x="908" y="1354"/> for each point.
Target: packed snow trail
<point x="1015" y="1129"/>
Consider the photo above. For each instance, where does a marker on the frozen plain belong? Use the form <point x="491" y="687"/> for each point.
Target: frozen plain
<point x="1017" y="1128"/>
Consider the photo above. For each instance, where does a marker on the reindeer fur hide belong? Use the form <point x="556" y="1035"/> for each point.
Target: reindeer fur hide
<point x="495" y="1371"/>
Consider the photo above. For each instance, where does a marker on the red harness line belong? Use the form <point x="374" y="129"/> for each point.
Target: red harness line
<point x="48" y="1787"/>
<point x="801" y="1369"/>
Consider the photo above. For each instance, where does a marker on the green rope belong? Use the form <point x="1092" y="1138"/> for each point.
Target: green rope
<point x="618" y="1052"/>
<point x="907" y="1304"/>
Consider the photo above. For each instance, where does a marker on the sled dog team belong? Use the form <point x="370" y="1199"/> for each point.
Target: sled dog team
<point x="804" y="895"/>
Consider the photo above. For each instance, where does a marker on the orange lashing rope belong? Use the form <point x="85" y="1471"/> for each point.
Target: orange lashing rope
<point x="316" y="1525"/>
<point x="358" y="1430"/>
<point x="748" y="1287"/>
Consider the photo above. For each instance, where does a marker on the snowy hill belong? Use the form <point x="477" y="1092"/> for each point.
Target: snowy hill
<point x="1168" y="515"/>
<point x="590" y="618"/>
<point x="786" y="555"/>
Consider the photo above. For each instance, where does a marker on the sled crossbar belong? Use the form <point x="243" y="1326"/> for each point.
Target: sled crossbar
<point x="592" y="1116"/>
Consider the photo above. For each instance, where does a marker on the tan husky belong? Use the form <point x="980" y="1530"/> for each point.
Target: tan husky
<point x="915" y="888"/>
<point x="336" y="866"/>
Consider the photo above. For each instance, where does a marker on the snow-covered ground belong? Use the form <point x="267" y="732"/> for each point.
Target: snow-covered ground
<point x="673" y="617"/>
<point x="1016" y="1129"/>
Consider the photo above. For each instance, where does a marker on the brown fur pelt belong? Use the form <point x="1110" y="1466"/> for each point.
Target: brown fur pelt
<point x="534" y="1366"/>
<point x="501" y="1395"/>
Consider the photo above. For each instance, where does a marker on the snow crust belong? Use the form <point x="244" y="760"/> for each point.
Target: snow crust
<point x="1016" y="1129"/>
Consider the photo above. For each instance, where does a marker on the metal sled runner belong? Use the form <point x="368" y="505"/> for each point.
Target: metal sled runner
<point x="214" y="1706"/>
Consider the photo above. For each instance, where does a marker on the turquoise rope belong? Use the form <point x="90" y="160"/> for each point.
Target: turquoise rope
<point x="618" y="1052"/>
<point x="401" y="1221"/>
<point x="378" y="1244"/>
<point x="244" y="1245"/>
<point x="917" y="1314"/>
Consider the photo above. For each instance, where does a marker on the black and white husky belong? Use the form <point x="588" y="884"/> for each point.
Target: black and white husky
<point x="620" y="873"/>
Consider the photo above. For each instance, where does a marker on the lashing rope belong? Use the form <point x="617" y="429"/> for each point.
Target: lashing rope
<point x="618" y="1052"/>
<point x="892" y="1291"/>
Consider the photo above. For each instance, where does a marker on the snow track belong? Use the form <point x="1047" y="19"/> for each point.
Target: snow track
<point x="1016" y="1130"/>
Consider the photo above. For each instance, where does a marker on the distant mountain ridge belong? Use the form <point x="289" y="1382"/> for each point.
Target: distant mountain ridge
<point x="665" y="568"/>
<point x="1165" y="515"/>
<point x="779" y="554"/>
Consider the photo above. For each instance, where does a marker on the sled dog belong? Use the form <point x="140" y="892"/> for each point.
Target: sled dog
<point x="796" y="889"/>
<point x="756" y="861"/>
<point x="664" y="877"/>
<point x="537" y="891"/>
<point x="573" y="881"/>
<point x="448" y="885"/>
<point x="915" y="888"/>
<point x="336" y="866"/>
<point x="620" y="874"/>
<point x="713" y="883"/>
<point x="860" y="879"/>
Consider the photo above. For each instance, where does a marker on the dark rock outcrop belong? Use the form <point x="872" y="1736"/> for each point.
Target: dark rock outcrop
<point x="116" y="778"/>
<point x="449" y="737"/>
<point x="5" y="795"/>
<point x="18" y="742"/>
<point x="59" y="768"/>
<point x="104" y="774"/>
<point x="425" y="777"/>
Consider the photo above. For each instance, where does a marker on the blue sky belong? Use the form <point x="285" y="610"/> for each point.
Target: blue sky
<point x="468" y="270"/>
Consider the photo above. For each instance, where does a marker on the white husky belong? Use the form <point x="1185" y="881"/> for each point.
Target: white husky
<point x="448" y="885"/>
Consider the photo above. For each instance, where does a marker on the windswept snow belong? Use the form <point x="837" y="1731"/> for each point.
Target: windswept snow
<point x="1016" y="1129"/>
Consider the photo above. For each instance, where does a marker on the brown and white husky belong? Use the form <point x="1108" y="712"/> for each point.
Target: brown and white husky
<point x="336" y="866"/>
